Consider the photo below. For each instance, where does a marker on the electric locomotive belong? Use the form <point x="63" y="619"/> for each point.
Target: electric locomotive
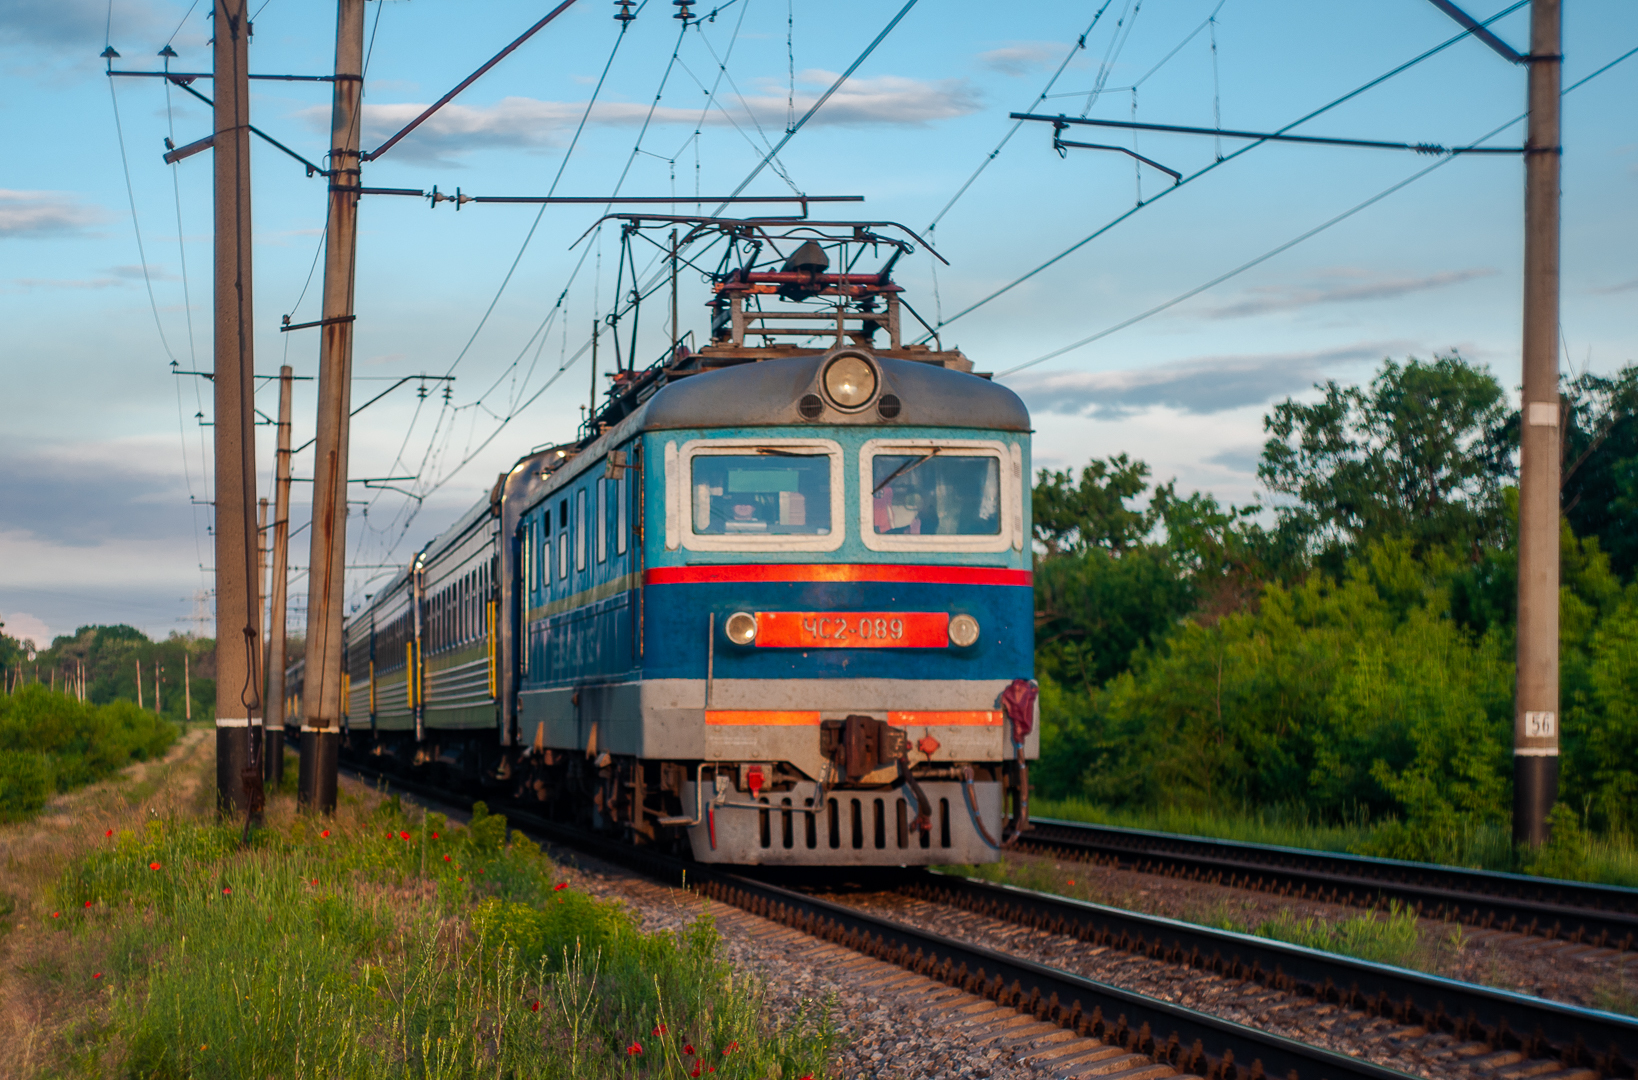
<point x="772" y="606"/>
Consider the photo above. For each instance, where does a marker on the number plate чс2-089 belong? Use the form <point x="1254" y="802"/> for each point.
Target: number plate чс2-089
<point x="853" y="629"/>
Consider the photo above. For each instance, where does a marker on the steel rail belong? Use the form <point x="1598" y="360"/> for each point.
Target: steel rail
<point x="1187" y="1040"/>
<point x="1505" y="1020"/>
<point x="1599" y="915"/>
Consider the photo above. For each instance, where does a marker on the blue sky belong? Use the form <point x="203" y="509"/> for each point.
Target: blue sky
<point x="101" y="444"/>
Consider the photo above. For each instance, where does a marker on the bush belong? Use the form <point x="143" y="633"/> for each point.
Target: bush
<point x="51" y="742"/>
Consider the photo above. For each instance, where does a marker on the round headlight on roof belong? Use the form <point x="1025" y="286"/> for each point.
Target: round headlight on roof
<point x="850" y="381"/>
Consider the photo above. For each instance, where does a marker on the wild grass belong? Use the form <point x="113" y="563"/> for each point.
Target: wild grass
<point x="1573" y="854"/>
<point x="51" y="743"/>
<point x="382" y="943"/>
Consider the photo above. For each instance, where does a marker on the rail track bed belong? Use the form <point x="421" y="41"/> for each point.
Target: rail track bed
<point x="1076" y="989"/>
<point x="1397" y="1019"/>
<point x="1597" y="916"/>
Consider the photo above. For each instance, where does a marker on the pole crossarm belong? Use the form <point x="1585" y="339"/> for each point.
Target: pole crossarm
<point x="191" y="75"/>
<point x="1477" y="29"/>
<point x="466" y="82"/>
<point x="175" y="154"/>
<point x="1060" y="122"/>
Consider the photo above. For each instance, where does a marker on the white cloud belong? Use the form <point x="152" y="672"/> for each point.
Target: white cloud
<point x="44" y="213"/>
<point x="1339" y="286"/>
<point x="25" y="626"/>
<point x="532" y="123"/>
<point x="1022" y="57"/>
<point x="1200" y="387"/>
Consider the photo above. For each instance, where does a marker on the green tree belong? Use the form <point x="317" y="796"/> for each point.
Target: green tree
<point x="1073" y="517"/>
<point x="1600" y="478"/>
<point x="1420" y="452"/>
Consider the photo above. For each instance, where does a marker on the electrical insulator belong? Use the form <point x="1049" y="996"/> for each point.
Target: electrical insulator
<point x="683" y="11"/>
<point x="625" y="13"/>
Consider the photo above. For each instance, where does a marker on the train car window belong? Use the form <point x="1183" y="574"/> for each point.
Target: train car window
<point x="602" y="519"/>
<point x="620" y="514"/>
<point x="936" y="495"/>
<point x="771" y="494"/>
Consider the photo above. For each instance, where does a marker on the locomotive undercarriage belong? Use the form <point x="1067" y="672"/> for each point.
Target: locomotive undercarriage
<point x="718" y="811"/>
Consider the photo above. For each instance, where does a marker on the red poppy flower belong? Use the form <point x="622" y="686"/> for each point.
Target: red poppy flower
<point x="153" y="866"/>
<point x="535" y="1007"/>
<point x="325" y="834"/>
<point x="560" y="886"/>
<point x="403" y="836"/>
<point x="696" y="1071"/>
<point x="460" y="879"/>
<point x="688" y="1048"/>
<point x="730" y="1048"/>
<point x="659" y="1029"/>
<point x="315" y="881"/>
<point x="227" y="890"/>
<point x="110" y="832"/>
<point x="98" y="975"/>
<point x="88" y="903"/>
<point x="634" y="1049"/>
<point x="56" y="914"/>
<point x="435" y="836"/>
<point x="1072" y="881"/>
<point x="446" y="858"/>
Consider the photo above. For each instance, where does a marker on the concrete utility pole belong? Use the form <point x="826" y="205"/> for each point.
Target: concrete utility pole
<point x="326" y="574"/>
<point x="238" y="645"/>
<point x="273" y="752"/>
<point x="1535" y="715"/>
<point x="238" y="636"/>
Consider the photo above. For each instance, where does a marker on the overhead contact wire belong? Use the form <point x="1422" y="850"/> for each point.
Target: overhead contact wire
<point x="1407" y="65"/>
<point x="1294" y="241"/>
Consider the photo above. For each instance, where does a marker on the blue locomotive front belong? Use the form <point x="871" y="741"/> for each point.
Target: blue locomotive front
<point x="775" y="610"/>
<point x="773" y="605"/>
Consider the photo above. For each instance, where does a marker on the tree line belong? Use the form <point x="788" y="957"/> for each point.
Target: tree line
<point x="102" y="664"/>
<point x="1344" y="649"/>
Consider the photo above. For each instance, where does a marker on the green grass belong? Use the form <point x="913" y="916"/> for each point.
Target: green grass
<point x="1572" y="854"/>
<point x="390" y="946"/>
<point x="51" y="742"/>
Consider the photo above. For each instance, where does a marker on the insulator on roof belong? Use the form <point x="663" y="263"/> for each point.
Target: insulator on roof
<point x="683" y="10"/>
<point x="809" y="257"/>
<point x="625" y="14"/>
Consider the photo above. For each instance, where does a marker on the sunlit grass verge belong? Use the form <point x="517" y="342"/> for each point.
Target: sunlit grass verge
<point x="388" y="947"/>
<point x="1572" y="854"/>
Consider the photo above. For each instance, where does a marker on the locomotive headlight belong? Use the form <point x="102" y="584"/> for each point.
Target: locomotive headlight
<point x="850" y="381"/>
<point x="963" y="631"/>
<point x="741" y="628"/>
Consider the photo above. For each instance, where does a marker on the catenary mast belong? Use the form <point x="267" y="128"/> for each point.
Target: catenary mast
<point x="322" y="703"/>
<point x="238" y="637"/>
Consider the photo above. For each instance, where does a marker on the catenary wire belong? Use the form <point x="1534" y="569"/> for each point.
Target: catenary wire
<point x="1407" y="65"/>
<point x="1294" y="241"/>
<point x="1080" y="43"/>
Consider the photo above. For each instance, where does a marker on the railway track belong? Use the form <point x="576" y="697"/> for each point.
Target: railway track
<point x="1498" y="1033"/>
<point x="1603" y="916"/>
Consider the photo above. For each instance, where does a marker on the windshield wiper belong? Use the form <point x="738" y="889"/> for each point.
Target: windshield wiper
<point x="902" y="469"/>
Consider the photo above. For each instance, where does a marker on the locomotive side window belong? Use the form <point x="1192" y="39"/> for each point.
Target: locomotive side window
<point x="602" y="519"/>
<point x="563" y="539"/>
<point x="620" y="497"/>
<point x="938" y="495"/>
<point x="773" y="494"/>
<point x="580" y="529"/>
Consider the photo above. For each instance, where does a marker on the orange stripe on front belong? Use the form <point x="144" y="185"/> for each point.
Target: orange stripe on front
<point x="972" y="718"/>
<point x="788" y="718"/>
